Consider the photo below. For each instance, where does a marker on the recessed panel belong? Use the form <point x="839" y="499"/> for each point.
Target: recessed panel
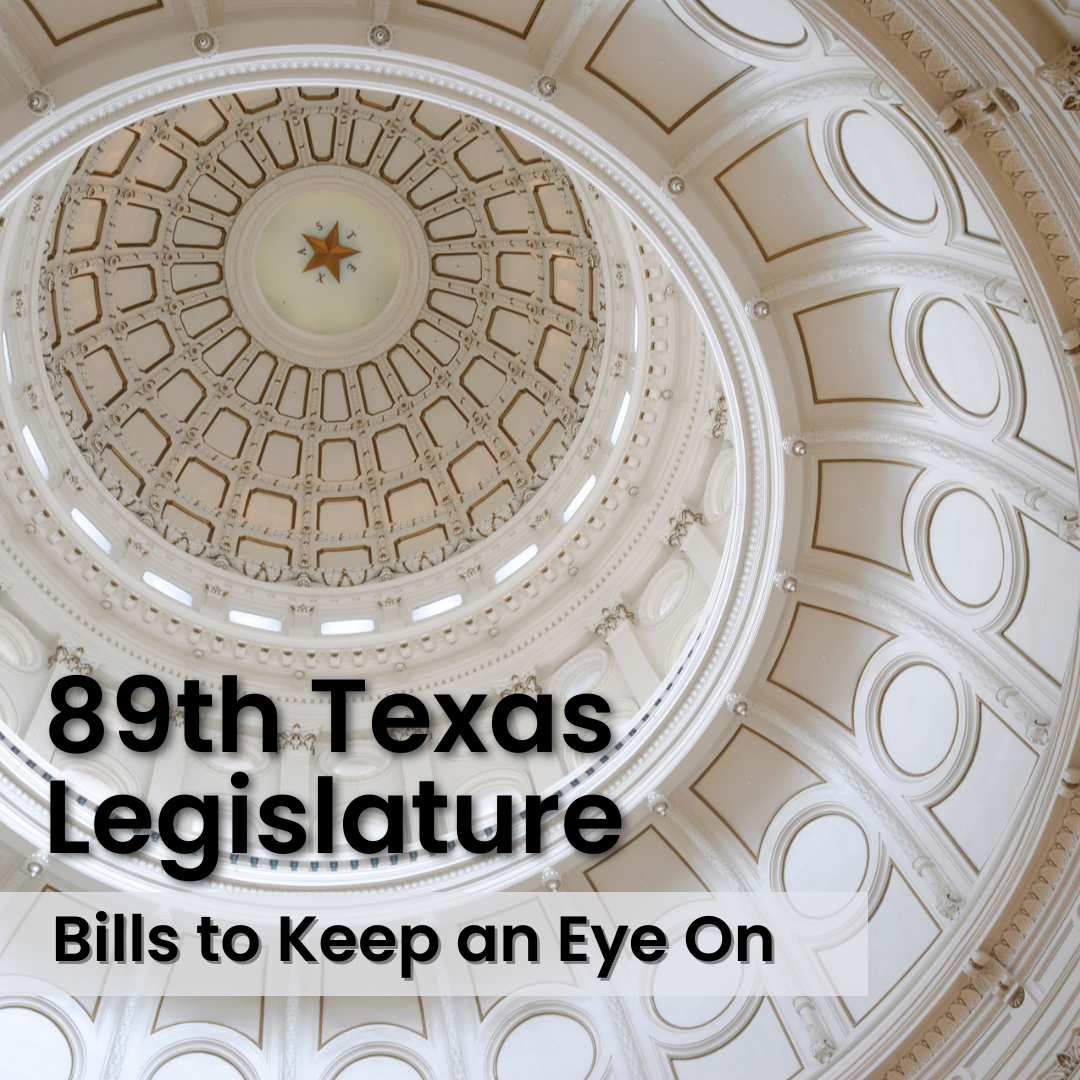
<point x="654" y="60"/>
<point x="823" y="658"/>
<point x="781" y="196"/>
<point x="1044" y="624"/>
<point x="965" y="546"/>
<point x="887" y="168"/>
<point x="979" y="809"/>
<point x="918" y="718"/>
<point x="960" y="358"/>
<point x="860" y="510"/>
<point x="762" y="1049"/>
<point x="647" y="863"/>
<point x="749" y="782"/>
<point x="849" y="350"/>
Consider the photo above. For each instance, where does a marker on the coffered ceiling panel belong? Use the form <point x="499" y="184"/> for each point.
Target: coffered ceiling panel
<point x="63" y="20"/>
<point x="965" y="548"/>
<point x="823" y="658"/>
<point x="1043" y="626"/>
<point x="887" y="168"/>
<point x="977" y="810"/>
<point x="648" y="863"/>
<point x="748" y="784"/>
<point x="849" y="349"/>
<point x="779" y="192"/>
<point x="960" y="358"/>
<point x="765" y="22"/>
<point x="654" y="60"/>
<point x="918" y="718"/>
<point x="762" y="1049"/>
<point x="240" y="1014"/>
<point x="375" y="393"/>
<point x="514" y="16"/>
<point x="860" y="510"/>
<point x="1043" y="424"/>
<point x="901" y="930"/>
<point x="340" y="1014"/>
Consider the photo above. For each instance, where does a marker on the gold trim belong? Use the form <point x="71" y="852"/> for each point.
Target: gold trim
<point x="943" y="161"/>
<point x="818" y="817"/>
<point x="963" y="776"/>
<point x="124" y="161"/>
<point x="480" y="1010"/>
<point x="262" y="108"/>
<point x="815" y="607"/>
<point x="423" y="1032"/>
<point x="533" y="1016"/>
<point x="930" y="549"/>
<point x="63" y="1033"/>
<point x="919" y="470"/>
<point x="217" y="1023"/>
<point x="672" y="1060"/>
<point x="97" y="1000"/>
<point x="907" y="971"/>
<point x="750" y="37"/>
<point x="682" y="1027"/>
<point x="768" y="826"/>
<point x="806" y="243"/>
<point x="930" y="370"/>
<point x="1023" y="593"/>
<point x="487" y="22"/>
<point x="427" y="131"/>
<point x="634" y="101"/>
<point x="892" y="348"/>
<point x="628" y="844"/>
<point x="956" y="721"/>
<point x="195" y="1050"/>
<point x="154" y="5"/>
<point x="465" y="169"/>
<point x="1023" y="394"/>
<point x="862" y="187"/>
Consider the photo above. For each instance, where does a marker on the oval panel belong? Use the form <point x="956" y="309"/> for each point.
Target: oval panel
<point x="887" y="167"/>
<point x="917" y="718"/>
<point x="665" y="592"/>
<point x="672" y="1006"/>
<point x="767" y="22"/>
<point x="379" y="1067"/>
<point x="34" y="1045"/>
<point x="547" y="1045"/>
<point x="966" y="551"/>
<point x="204" y="1066"/>
<point x="960" y="358"/>
<point x="828" y="854"/>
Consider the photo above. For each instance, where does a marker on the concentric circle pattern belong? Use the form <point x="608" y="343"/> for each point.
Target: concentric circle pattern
<point x="391" y="429"/>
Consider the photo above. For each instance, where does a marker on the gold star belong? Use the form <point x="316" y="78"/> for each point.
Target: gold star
<point x="328" y="252"/>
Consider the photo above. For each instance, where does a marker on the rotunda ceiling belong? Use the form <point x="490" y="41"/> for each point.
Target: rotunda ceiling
<point x="320" y="334"/>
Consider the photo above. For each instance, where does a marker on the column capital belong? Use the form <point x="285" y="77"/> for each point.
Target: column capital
<point x="71" y="658"/>
<point x="612" y="618"/>
<point x="680" y="526"/>
<point x="299" y="737"/>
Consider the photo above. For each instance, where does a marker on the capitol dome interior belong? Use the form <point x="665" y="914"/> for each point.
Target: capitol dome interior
<point x="718" y="359"/>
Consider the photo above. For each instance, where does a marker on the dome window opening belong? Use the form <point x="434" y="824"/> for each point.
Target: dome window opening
<point x="624" y="408"/>
<point x="347" y="626"/>
<point x="256" y="622"/>
<point x="163" y="585"/>
<point x="516" y="563"/>
<point x="7" y="361"/>
<point x="35" y="452"/>
<point x="436" y="607"/>
<point x="91" y="530"/>
<point x="578" y="499"/>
